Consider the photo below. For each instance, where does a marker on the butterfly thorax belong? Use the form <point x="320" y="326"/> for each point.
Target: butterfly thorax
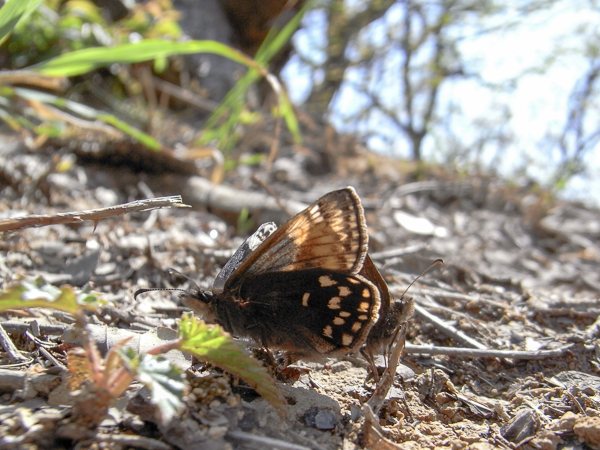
<point x="386" y="328"/>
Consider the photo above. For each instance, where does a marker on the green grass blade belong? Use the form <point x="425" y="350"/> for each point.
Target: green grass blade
<point x="277" y="39"/>
<point x="12" y="12"/>
<point x="221" y="122"/>
<point x="83" y="61"/>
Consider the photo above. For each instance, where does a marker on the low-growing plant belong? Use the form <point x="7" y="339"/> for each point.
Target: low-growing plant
<point x="96" y="381"/>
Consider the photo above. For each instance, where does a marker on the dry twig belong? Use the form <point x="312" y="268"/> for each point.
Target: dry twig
<point x="372" y="435"/>
<point x="21" y="327"/>
<point x="95" y="215"/>
<point x="220" y="199"/>
<point x="130" y="440"/>
<point x="448" y="329"/>
<point x="10" y="348"/>
<point x="387" y="379"/>
<point x="264" y="441"/>
<point x="486" y="353"/>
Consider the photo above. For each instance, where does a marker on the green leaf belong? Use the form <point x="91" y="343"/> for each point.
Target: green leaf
<point x="12" y="12"/>
<point x="83" y="61"/>
<point x="39" y="294"/>
<point x="164" y="381"/>
<point x="213" y="345"/>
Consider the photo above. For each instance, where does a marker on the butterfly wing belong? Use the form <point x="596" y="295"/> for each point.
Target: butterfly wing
<point x="370" y="272"/>
<point x="246" y="249"/>
<point x="392" y="313"/>
<point x="306" y="311"/>
<point x="331" y="234"/>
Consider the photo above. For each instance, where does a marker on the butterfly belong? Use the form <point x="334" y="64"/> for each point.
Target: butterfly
<point x="307" y="287"/>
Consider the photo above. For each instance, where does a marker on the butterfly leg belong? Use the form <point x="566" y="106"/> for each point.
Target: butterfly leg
<point x="374" y="371"/>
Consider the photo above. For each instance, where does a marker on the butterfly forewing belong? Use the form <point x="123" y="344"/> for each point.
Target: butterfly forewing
<point x="244" y="250"/>
<point x="330" y="234"/>
<point x="324" y="311"/>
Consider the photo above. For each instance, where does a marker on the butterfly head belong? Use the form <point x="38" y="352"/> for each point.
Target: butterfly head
<point x="202" y="302"/>
<point x="386" y="329"/>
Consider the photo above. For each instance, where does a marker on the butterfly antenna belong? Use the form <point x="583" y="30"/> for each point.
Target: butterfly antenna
<point x="434" y="264"/>
<point x="171" y="271"/>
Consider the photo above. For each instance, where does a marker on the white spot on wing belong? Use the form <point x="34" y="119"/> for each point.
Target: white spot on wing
<point x="305" y="298"/>
<point x="326" y="281"/>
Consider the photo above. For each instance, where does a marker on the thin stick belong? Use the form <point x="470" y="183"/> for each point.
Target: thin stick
<point x="10" y="348"/>
<point x="273" y="194"/>
<point x="95" y="215"/>
<point x="185" y="95"/>
<point x="387" y="379"/>
<point x="264" y="441"/>
<point x="431" y="350"/>
<point x="372" y="433"/>
<point x="130" y="440"/>
<point x="447" y="329"/>
<point x="22" y="327"/>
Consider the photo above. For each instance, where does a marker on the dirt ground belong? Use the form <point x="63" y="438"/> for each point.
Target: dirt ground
<point x="502" y="351"/>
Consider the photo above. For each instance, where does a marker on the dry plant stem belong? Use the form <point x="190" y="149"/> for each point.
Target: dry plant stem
<point x="477" y="353"/>
<point x="372" y="434"/>
<point x="95" y="215"/>
<point x="164" y="348"/>
<point x="22" y="327"/>
<point x="441" y="293"/>
<point x="387" y="379"/>
<point x="185" y="95"/>
<point x="30" y="78"/>
<point x="53" y="113"/>
<point x="10" y="348"/>
<point x="273" y="194"/>
<point x="448" y="330"/>
<point x="129" y="440"/>
<point x="13" y="380"/>
<point x="428" y="186"/>
<point x="274" y="150"/>
<point x="52" y="359"/>
<point x="264" y="441"/>
<point x="576" y="405"/>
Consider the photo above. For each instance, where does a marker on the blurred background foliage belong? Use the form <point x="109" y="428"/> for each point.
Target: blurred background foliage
<point x="403" y="77"/>
<point x="59" y="26"/>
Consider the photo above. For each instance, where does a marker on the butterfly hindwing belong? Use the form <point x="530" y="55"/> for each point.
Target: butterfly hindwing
<point x="330" y="312"/>
<point x="330" y="234"/>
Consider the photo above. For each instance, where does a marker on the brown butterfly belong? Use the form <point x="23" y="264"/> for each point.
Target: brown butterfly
<point x="308" y="287"/>
<point x="303" y="287"/>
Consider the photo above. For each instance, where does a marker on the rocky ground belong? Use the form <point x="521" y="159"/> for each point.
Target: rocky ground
<point x="502" y="351"/>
